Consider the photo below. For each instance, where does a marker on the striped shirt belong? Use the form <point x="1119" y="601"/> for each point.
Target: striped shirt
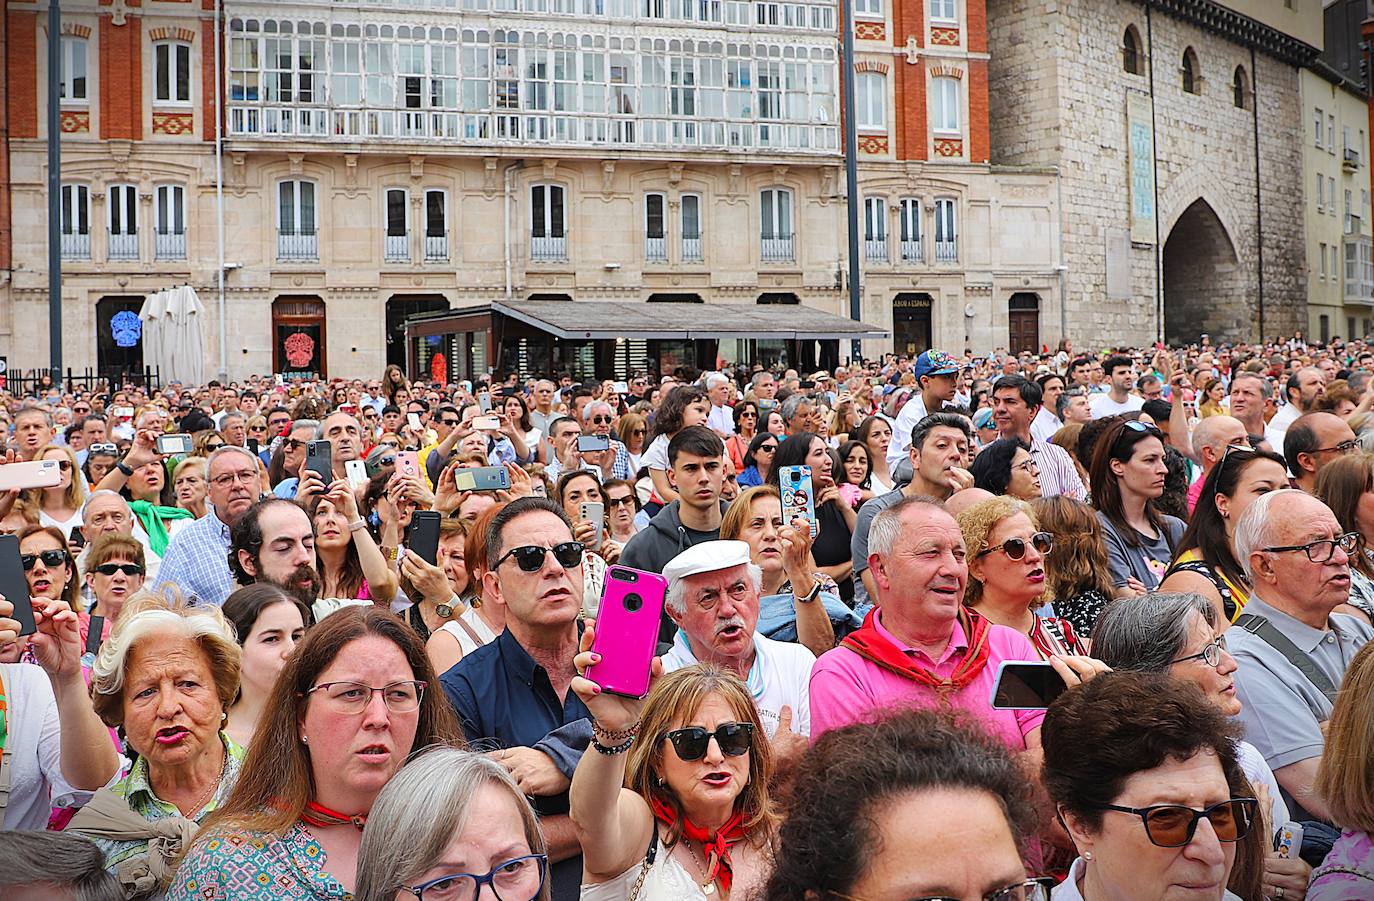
<point x="1057" y="472"/>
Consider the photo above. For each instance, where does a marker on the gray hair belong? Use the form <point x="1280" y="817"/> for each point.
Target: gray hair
<point x="228" y="449"/>
<point x="887" y="525"/>
<point x="715" y="378"/>
<point x="1145" y="634"/>
<point x="1252" y="531"/>
<point x="1266" y="386"/>
<point x="792" y="405"/>
<point x="104" y="492"/>
<point x="596" y="405"/>
<point x="430" y="799"/>
<point x="70" y="864"/>
<point x="29" y="409"/>
<point x="676" y="598"/>
<point x="312" y="424"/>
<point x="228" y="416"/>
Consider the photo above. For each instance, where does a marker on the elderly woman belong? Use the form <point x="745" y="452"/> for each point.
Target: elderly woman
<point x="692" y="789"/>
<point x="115" y="570"/>
<point x="165" y="678"/>
<point x="1006" y="568"/>
<point x="467" y="825"/>
<point x="268" y="623"/>
<point x="863" y="831"/>
<point x="791" y="580"/>
<point x="1135" y="764"/>
<point x="1006" y="467"/>
<point x="1183" y="636"/>
<point x="355" y="699"/>
<point x="437" y="591"/>
<point x="190" y="483"/>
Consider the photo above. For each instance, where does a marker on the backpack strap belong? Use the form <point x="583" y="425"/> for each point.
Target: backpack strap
<point x="1264" y="630"/>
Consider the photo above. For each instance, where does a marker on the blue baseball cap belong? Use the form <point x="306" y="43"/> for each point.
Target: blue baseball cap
<point x="935" y="362"/>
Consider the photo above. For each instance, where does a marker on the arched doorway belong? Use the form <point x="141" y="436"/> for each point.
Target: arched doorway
<point x="399" y="308"/>
<point x="1023" y="322"/>
<point x="119" y="336"/>
<point x="911" y="323"/>
<point x="298" y="336"/>
<point x="1204" y="289"/>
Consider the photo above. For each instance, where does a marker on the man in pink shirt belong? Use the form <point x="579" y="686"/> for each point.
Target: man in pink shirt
<point x="921" y="646"/>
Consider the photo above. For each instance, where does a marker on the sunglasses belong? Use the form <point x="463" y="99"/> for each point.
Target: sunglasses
<point x="50" y="559"/>
<point x="64" y="465"/>
<point x="109" y="569"/>
<point x="1173" y="825"/>
<point x="598" y="420"/>
<point x="626" y="501"/>
<point x="530" y="557"/>
<point x="690" y="744"/>
<point x="1135" y="425"/>
<point x="1015" y="548"/>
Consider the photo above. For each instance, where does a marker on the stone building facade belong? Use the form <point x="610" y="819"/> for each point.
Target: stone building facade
<point x="1175" y="126"/>
<point x="384" y="159"/>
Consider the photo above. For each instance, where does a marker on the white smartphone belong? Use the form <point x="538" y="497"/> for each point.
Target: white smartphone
<point x="594" y="512"/>
<point x="38" y="474"/>
<point x="174" y="445"/>
<point x="486" y="423"/>
<point x="414" y="420"/>
<point x="1288" y="841"/>
<point x="356" y="471"/>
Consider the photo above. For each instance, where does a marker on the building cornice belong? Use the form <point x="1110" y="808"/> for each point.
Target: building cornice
<point x="1240" y="28"/>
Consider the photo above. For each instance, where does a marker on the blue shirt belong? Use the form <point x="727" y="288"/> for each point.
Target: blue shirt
<point x="287" y="488"/>
<point x="197" y="562"/>
<point x="503" y="700"/>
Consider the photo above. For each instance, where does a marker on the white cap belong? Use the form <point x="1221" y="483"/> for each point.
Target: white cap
<point x="707" y="557"/>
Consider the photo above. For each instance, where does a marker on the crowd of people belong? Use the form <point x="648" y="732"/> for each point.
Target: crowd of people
<point x="340" y="639"/>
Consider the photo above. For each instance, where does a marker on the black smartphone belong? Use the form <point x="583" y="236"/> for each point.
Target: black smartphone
<point x="76" y="539"/>
<point x="14" y="586"/>
<point x="423" y="537"/>
<point x="1026" y="685"/>
<point x="319" y="457"/>
<point x="93" y="639"/>
<point x="254" y="446"/>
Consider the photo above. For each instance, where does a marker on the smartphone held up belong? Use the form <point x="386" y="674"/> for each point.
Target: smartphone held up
<point x="627" y="630"/>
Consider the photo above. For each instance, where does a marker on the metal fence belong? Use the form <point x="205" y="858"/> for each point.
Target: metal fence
<point x="31" y="382"/>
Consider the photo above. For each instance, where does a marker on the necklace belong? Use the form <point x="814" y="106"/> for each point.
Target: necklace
<point x="210" y="790"/>
<point x="709" y="886"/>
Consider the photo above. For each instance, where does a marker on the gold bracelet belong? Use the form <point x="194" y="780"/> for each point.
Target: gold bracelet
<point x="390" y="553"/>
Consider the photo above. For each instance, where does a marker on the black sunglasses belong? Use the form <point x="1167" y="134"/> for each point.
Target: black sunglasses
<point x="1015" y="548"/>
<point x="530" y="557"/>
<point x="109" y="569"/>
<point x="691" y="743"/>
<point x="1173" y="825"/>
<point x="50" y="559"/>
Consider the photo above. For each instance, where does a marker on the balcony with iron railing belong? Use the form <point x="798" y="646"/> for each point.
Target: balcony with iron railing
<point x="398" y="248"/>
<point x="76" y="246"/>
<point x="776" y="249"/>
<point x="912" y="252"/>
<point x="298" y="245"/>
<point x="946" y="251"/>
<point x="123" y="246"/>
<point x="691" y="250"/>
<point x="171" y="245"/>
<point x="436" y="247"/>
<point x="655" y="250"/>
<point x="875" y="250"/>
<point x="548" y="249"/>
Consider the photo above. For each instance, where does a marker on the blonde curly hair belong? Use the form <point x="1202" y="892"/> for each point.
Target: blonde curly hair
<point x="976" y="523"/>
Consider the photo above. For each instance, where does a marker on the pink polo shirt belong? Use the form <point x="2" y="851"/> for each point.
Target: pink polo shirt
<point x="845" y="688"/>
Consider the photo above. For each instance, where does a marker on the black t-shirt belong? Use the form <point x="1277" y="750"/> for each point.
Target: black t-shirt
<point x="832" y="544"/>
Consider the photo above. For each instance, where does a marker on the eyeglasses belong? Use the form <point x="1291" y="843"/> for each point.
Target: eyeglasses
<point x="1027" y="466"/>
<point x="449" y="422"/>
<point x="388" y="460"/>
<point x="520" y="879"/>
<point x="102" y="448"/>
<point x="258" y="428"/>
<point x="766" y="449"/>
<point x="530" y="557"/>
<point x="626" y="501"/>
<point x="50" y="559"/>
<point x="1030" y="890"/>
<point x="246" y="476"/>
<point x="748" y="414"/>
<point x="214" y="447"/>
<point x="1344" y="447"/>
<point x="353" y="697"/>
<point x="109" y="569"/>
<point x="1173" y="825"/>
<point x="64" y="465"/>
<point x="639" y="431"/>
<point x="1323" y="549"/>
<point x="1210" y="655"/>
<point x="1015" y="548"/>
<point x="599" y="420"/>
<point x="690" y="744"/>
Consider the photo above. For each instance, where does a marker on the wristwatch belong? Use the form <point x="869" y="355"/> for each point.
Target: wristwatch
<point x="124" y="468"/>
<point x="810" y="595"/>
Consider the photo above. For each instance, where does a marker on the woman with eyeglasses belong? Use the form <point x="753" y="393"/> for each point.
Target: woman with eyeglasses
<point x="1181" y="635"/>
<point x="633" y="431"/>
<point x="1147" y="781"/>
<point x="621" y="507"/>
<point x="1205" y="562"/>
<point x="50" y="569"/>
<point x="758" y="459"/>
<point x="1006" y="467"/>
<point x="471" y="834"/>
<point x="1006" y="554"/>
<point x="1127" y="474"/>
<point x="59" y="506"/>
<point x="1346" y="485"/>
<point x="868" y="799"/>
<point x="355" y="699"/>
<point x="114" y="571"/>
<point x="190" y="482"/>
<point x="671" y="800"/>
<point x="206" y="442"/>
<point x="268" y="623"/>
<point x="876" y="434"/>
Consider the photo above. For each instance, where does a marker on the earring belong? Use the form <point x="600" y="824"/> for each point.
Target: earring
<point x="1087" y="855"/>
<point x="224" y="717"/>
<point x="304" y="740"/>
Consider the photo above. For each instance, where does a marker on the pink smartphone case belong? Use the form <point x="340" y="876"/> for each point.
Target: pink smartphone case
<point x="627" y="639"/>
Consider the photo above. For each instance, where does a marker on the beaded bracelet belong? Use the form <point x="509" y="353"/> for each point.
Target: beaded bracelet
<point x="608" y="735"/>
<point x="613" y="751"/>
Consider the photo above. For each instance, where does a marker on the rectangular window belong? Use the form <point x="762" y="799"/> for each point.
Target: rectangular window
<point x="172" y="72"/>
<point x="1317" y="127"/>
<point x="73" y="84"/>
<point x="76" y="222"/>
<point x="1321" y="253"/>
<point x="436" y="226"/>
<point x="346" y="86"/>
<point x="548" y="227"/>
<point x="944" y="97"/>
<point x="170" y="210"/>
<point x="943" y="11"/>
<point x="397" y="234"/>
<point x="872" y="8"/>
<point x="1321" y="193"/>
<point x="946" y="236"/>
<point x="244" y="69"/>
<point x="871" y="99"/>
<point x="1331" y="195"/>
<point x="123" y="222"/>
<point x="775" y="224"/>
<point x="296" y="219"/>
<point x="655" y="228"/>
<point x="691" y="228"/>
<point x="875" y="229"/>
<point x="1331" y="133"/>
<point x="909" y="225"/>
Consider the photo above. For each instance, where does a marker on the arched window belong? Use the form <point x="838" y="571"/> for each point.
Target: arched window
<point x="1192" y="78"/>
<point x="1130" y="50"/>
<point x="1240" y="89"/>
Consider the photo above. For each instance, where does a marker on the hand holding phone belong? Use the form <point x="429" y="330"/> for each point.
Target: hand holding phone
<point x="319" y="458"/>
<point x="627" y="631"/>
<point x="1026" y="685"/>
<point x="16" y="610"/>
<point x="798" y="495"/>
<point x="423" y="537"/>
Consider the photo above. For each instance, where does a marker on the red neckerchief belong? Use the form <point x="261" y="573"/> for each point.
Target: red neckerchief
<point x="717" y="849"/>
<point x="319" y="815"/>
<point x="877" y="648"/>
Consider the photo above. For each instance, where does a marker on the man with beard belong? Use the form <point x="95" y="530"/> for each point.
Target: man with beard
<point x="196" y="562"/>
<point x="274" y="542"/>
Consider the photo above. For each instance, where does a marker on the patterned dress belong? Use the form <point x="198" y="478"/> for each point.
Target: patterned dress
<point x="256" y="866"/>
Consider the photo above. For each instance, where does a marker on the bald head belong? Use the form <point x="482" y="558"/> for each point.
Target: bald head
<point x="960" y="501"/>
<point x="1212" y="435"/>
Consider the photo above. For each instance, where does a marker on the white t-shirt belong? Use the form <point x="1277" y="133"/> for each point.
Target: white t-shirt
<point x="780" y="676"/>
<point x="1103" y="406"/>
<point x="721" y="420"/>
<point x="474" y="622"/>
<point x="656" y="454"/>
<point x="35" y="738"/>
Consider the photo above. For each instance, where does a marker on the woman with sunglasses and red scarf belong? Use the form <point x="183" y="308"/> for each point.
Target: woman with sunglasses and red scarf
<point x="671" y="799"/>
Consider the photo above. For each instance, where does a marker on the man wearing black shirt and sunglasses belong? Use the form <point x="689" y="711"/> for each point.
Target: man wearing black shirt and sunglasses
<point x="514" y="691"/>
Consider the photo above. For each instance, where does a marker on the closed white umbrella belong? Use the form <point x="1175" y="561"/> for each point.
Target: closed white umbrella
<point x="154" y="316"/>
<point x="184" y="339"/>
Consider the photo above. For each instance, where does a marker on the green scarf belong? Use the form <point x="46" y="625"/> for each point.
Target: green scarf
<point x="152" y="516"/>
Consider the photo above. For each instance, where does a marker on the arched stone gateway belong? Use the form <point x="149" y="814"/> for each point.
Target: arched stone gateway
<point x="1204" y="288"/>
